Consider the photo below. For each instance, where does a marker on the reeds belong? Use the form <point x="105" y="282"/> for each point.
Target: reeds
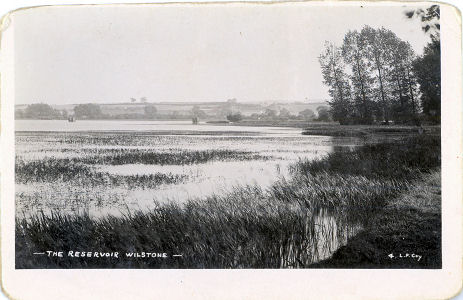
<point x="293" y="224"/>
<point x="64" y="170"/>
<point x="399" y="160"/>
<point x="81" y="168"/>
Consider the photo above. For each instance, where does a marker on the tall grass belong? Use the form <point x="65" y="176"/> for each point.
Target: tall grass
<point x="135" y="156"/>
<point x="400" y="160"/>
<point x="244" y="229"/>
<point x="52" y="170"/>
<point x="366" y="130"/>
<point x="292" y="225"/>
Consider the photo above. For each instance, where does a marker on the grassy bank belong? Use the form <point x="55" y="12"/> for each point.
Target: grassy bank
<point x="367" y="130"/>
<point x="405" y="234"/>
<point x="296" y="223"/>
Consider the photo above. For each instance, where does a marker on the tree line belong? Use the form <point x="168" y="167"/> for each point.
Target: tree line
<point x="148" y="111"/>
<point x="88" y="111"/>
<point x="374" y="76"/>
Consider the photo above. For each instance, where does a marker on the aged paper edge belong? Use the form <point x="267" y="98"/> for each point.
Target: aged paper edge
<point x="451" y="149"/>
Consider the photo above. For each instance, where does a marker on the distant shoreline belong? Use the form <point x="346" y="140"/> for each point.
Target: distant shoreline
<point x="332" y="129"/>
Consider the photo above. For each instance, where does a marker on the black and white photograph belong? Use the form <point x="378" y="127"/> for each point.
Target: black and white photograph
<point x="264" y="145"/>
<point x="228" y="136"/>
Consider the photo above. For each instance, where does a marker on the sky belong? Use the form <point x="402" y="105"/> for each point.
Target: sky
<point x="250" y="52"/>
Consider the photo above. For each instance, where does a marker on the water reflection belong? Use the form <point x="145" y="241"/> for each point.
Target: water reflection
<point x="325" y="233"/>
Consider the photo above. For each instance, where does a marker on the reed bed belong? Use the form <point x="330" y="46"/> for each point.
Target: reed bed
<point x="65" y="170"/>
<point x="367" y="131"/>
<point x="81" y="168"/>
<point x="248" y="228"/>
<point x="403" y="159"/>
<point x="294" y="224"/>
<point x="135" y="156"/>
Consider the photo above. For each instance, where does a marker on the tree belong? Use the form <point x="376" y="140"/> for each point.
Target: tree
<point x="354" y="54"/>
<point x="378" y="45"/>
<point x="64" y="114"/>
<point x="197" y="112"/>
<point x="428" y="74"/>
<point x="236" y="117"/>
<point x="411" y="79"/>
<point x="403" y="81"/>
<point x="143" y="100"/>
<point x="334" y="76"/>
<point x="307" y="114"/>
<point x="427" y="67"/>
<point x="284" y="113"/>
<point x="150" y="111"/>
<point x="323" y="113"/>
<point x="88" y="111"/>
<point x="430" y="19"/>
<point x="270" y="114"/>
<point x="381" y="84"/>
<point x="133" y="100"/>
<point x="41" y="111"/>
<point x="19" y="114"/>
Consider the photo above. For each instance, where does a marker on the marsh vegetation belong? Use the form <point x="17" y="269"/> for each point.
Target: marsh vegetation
<point x="321" y="197"/>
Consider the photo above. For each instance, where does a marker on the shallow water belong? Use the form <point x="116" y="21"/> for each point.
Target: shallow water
<point x="163" y="127"/>
<point x="278" y="147"/>
<point x="275" y="148"/>
<point x="204" y="179"/>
